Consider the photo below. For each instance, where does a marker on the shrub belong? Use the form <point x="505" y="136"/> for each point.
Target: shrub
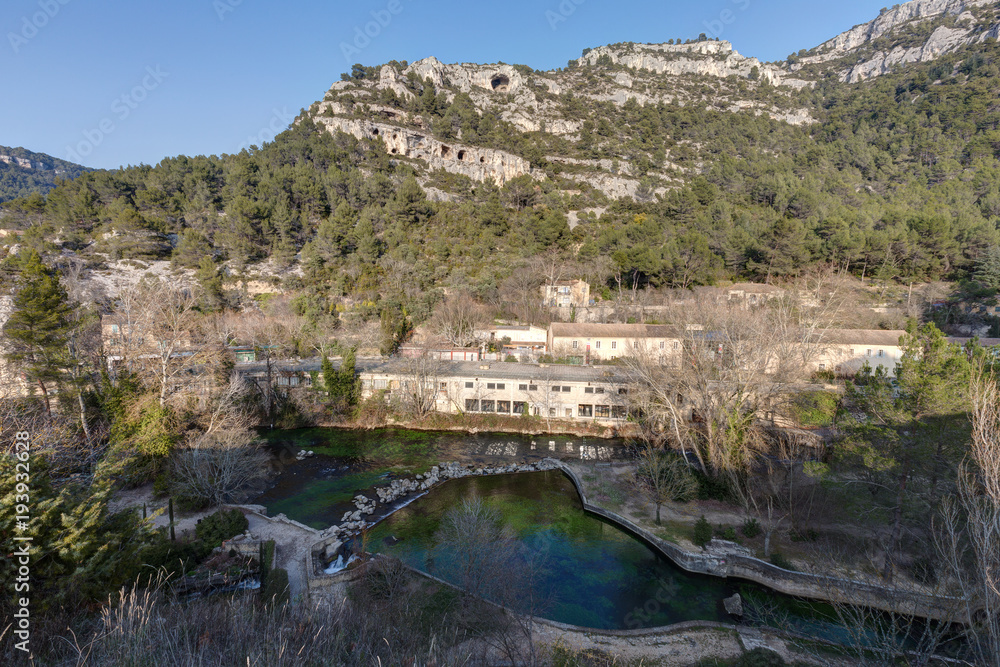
<point x="815" y="408"/>
<point x="214" y="529"/>
<point x="702" y="533"/>
<point x="808" y="535"/>
<point x="711" y="488"/>
<point x="751" y="528"/>
<point x="726" y="533"/>
<point x="778" y="560"/>
<point x="276" y="587"/>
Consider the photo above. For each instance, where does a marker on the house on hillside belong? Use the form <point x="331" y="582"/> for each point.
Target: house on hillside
<point x="845" y="351"/>
<point x="566" y="293"/>
<point x="606" y="342"/>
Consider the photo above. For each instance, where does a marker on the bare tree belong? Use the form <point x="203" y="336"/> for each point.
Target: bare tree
<point x="479" y="551"/>
<point x="459" y="319"/>
<point x="215" y="466"/>
<point x="419" y="379"/>
<point x="663" y="477"/>
<point x="710" y="398"/>
<point x="968" y="537"/>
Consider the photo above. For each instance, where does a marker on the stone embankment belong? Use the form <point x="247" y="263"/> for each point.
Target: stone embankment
<point x="333" y="538"/>
<point x="728" y="559"/>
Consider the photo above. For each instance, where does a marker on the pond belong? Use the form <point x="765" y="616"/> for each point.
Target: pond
<point x="318" y="490"/>
<point x="587" y="571"/>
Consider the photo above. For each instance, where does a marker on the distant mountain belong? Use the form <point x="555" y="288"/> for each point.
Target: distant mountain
<point x="23" y="172"/>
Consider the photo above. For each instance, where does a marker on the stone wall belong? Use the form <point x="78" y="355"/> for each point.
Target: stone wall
<point x="799" y="584"/>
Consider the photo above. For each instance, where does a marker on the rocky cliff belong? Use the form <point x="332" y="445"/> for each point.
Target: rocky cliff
<point x="912" y="32"/>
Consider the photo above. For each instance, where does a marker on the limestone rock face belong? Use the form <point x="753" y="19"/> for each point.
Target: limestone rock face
<point x="23" y="162"/>
<point x="893" y="18"/>
<point x="943" y="39"/>
<point x="478" y="164"/>
<point x="721" y="61"/>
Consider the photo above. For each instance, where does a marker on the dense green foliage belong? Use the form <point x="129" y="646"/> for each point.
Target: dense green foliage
<point x="17" y="181"/>
<point x="220" y="526"/>
<point x="898" y="179"/>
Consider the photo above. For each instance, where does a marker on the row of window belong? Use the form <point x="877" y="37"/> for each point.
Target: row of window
<point x="534" y="387"/>
<point x="518" y="408"/>
<point x="635" y="344"/>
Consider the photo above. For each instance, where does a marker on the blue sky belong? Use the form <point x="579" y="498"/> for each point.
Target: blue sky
<point x="121" y="82"/>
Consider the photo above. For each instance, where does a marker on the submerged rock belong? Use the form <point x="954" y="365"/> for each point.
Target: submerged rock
<point x="734" y="605"/>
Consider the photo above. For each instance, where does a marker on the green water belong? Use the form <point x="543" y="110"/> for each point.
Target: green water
<point x="587" y="571"/>
<point x="317" y="491"/>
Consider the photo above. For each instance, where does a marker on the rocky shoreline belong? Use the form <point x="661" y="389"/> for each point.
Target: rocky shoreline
<point x="354" y="522"/>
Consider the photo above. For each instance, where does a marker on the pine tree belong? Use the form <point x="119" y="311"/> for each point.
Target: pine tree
<point x="38" y="330"/>
<point x="988" y="269"/>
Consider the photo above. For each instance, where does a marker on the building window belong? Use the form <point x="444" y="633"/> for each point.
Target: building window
<point x="869" y="352"/>
<point x="663" y="344"/>
<point x="519" y="407"/>
<point x="503" y="407"/>
<point x="501" y="385"/>
<point x="469" y="385"/>
<point x="569" y="412"/>
<point x="555" y="387"/>
<point x="576" y="344"/>
<point x="599" y="390"/>
<point x="614" y="345"/>
<point x="487" y="406"/>
<point x="597" y="345"/>
<point x="381" y="384"/>
<point x="552" y="412"/>
<point x="533" y="387"/>
<point x="588" y="390"/>
<point x="635" y="344"/>
<point x="471" y="405"/>
<point x="881" y="353"/>
<point x="602" y="411"/>
<point x="622" y="391"/>
<point x="618" y="412"/>
<point x="676" y="345"/>
<point x="491" y="385"/>
<point x="566" y="390"/>
<point x="585" y="410"/>
<point x="444" y="386"/>
<point x="522" y="387"/>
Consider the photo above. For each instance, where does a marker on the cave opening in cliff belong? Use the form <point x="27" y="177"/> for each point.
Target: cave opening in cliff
<point x="461" y="156"/>
<point x="482" y="160"/>
<point x="500" y="83"/>
<point x="375" y="131"/>
<point x="446" y="152"/>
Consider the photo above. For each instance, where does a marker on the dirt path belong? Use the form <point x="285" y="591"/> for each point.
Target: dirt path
<point x="156" y="509"/>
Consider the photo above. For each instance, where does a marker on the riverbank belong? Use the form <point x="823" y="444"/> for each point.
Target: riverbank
<point x="820" y="579"/>
<point x="480" y="423"/>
